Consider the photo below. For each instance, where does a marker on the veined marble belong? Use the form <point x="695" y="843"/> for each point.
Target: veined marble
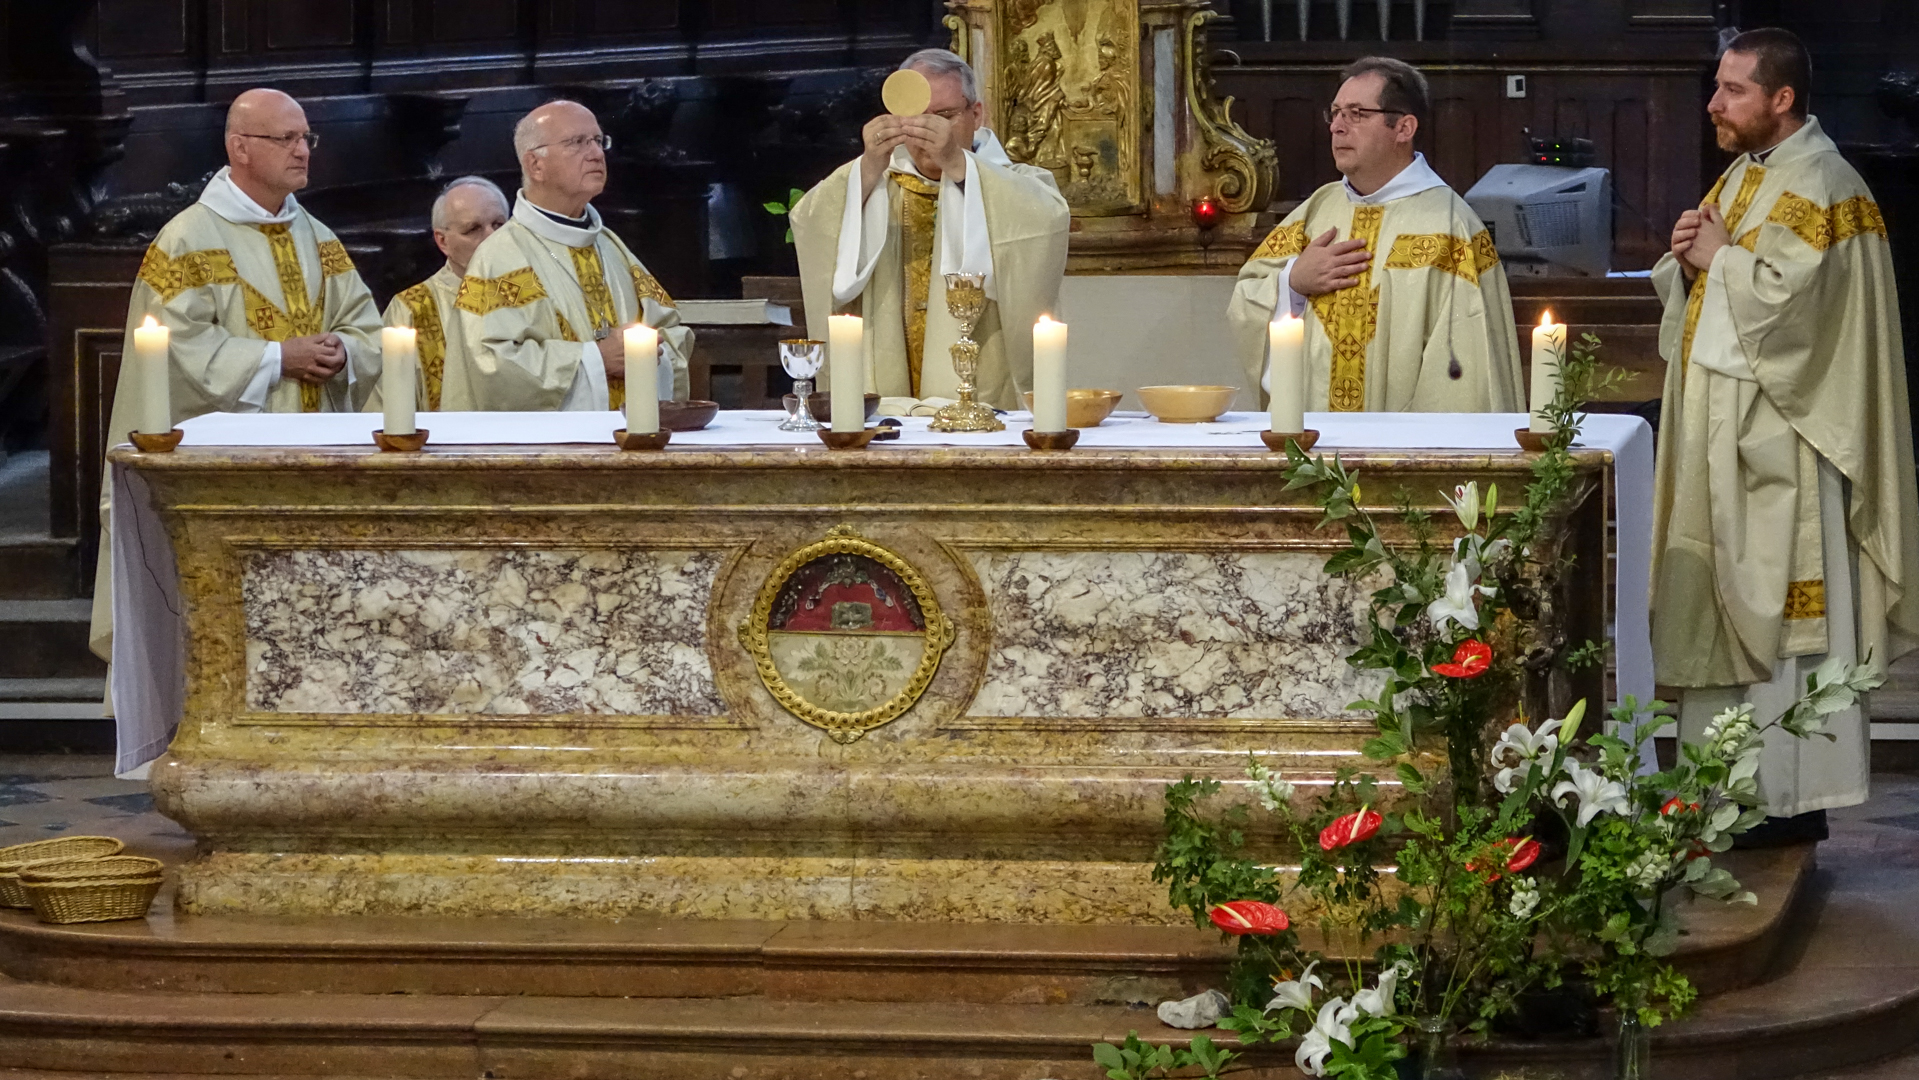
<point x="479" y="631"/>
<point x="1245" y="635"/>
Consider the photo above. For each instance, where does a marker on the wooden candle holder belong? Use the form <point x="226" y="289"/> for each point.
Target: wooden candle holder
<point x="400" y="444"/>
<point x="155" y="444"/>
<point x="1532" y="441"/>
<point x="1051" y="440"/>
<point x="627" y="440"/>
<point x="1276" y="440"/>
<point x="847" y="440"/>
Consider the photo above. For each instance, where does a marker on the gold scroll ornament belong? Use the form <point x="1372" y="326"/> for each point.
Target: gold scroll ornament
<point x="846" y="635"/>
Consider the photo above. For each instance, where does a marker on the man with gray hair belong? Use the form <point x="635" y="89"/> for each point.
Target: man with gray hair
<point x="547" y="296"/>
<point x="934" y="194"/>
<point x="467" y="211"/>
<point x="1398" y="281"/>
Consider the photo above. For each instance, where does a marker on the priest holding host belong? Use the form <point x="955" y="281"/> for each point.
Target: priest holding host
<point x="934" y="193"/>
<point x="467" y="211"/>
<point x="264" y="308"/>
<point x="1404" y="299"/>
<point x="546" y="297"/>
<point x="1786" y="523"/>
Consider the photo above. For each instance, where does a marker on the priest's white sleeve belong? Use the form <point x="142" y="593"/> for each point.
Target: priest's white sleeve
<point x="862" y="237"/>
<point x="588" y="392"/>
<point x="963" y="210"/>
<point x="265" y="378"/>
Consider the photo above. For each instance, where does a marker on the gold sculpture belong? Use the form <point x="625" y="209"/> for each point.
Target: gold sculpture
<point x="966" y="301"/>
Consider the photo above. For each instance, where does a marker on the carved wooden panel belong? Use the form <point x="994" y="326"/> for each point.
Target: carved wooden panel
<point x="128" y="28"/>
<point x="309" y="25"/>
<point x="88" y="294"/>
<point x="734" y="15"/>
<point x="476" y="20"/>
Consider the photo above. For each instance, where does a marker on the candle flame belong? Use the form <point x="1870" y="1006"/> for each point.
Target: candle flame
<point x="1547" y="318"/>
<point x="149" y="324"/>
<point x="1045" y="318"/>
<point x="1286" y="316"/>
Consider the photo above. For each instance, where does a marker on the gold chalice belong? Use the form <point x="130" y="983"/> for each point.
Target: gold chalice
<point x="966" y="301"/>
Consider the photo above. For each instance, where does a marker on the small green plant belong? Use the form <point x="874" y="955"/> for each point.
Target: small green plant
<point x="1137" y="1060"/>
<point x="785" y="209"/>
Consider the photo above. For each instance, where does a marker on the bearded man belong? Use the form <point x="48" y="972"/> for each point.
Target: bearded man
<point x="1786" y="524"/>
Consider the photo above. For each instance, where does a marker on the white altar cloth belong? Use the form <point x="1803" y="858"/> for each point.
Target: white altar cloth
<point x="148" y="675"/>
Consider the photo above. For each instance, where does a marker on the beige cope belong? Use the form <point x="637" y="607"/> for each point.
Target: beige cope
<point x="1429" y="326"/>
<point x="1027" y="222"/>
<point x="1786" y="524"/>
<point x="445" y="371"/>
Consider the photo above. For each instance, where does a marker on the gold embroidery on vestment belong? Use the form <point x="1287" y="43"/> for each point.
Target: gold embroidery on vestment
<point x="1437" y="251"/>
<point x="430" y="340"/>
<point x="483" y="296"/>
<point x="648" y="287"/>
<point x="1696" y="298"/>
<point x="1806" y="600"/>
<point x="169" y="276"/>
<point x="919" y="214"/>
<point x="1822" y="227"/>
<point x="1485" y="252"/>
<point x="333" y="258"/>
<point x="1350" y="318"/>
<point x="1283" y="242"/>
<point x="302" y="318"/>
<point x="599" y="309"/>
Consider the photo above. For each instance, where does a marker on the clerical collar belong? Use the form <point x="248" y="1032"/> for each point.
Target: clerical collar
<point x="225" y="198"/>
<point x="567" y="232"/>
<point x="1412" y="180"/>
<point x="1807" y="134"/>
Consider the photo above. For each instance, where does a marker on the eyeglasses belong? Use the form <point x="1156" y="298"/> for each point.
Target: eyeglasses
<point x="1353" y="114"/>
<point x="285" y="142"/>
<point x="578" y="143"/>
<point x="950" y="115"/>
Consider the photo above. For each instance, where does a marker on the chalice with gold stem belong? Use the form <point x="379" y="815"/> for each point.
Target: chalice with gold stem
<point x="966" y="302"/>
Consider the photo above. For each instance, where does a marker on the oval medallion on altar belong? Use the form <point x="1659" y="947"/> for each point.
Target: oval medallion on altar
<point x="846" y="635"/>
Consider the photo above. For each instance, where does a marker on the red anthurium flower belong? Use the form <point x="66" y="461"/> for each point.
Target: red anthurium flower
<point x="1519" y="853"/>
<point x="1361" y="824"/>
<point x="1248" y="917"/>
<point x="1472" y="658"/>
<point x="1674" y="806"/>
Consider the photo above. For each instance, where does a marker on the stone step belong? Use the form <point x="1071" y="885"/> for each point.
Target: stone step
<point x="81" y="689"/>
<point x="39" y="568"/>
<point x="47" y="639"/>
<point x="897" y="962"/>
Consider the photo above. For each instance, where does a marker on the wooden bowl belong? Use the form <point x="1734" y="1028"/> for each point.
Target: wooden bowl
<point x="820" y="404"/>
<point x="687" y="415"/>
<point x="1085" y="408"/>
<point x="1186" y="404"/>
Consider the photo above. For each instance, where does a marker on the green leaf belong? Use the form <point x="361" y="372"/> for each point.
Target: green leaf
<point x="794" y="196"/>
<point x="1106" y="1056"/>
<point x="775" y="208"/>
<point x="1411" y="779"/>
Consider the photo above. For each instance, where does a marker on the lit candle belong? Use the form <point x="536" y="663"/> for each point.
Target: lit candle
<point x="1049" y="375"/>
<point x="1286" y="374"/>
<point x="642" y="380"/>
<point x="150" y="370"/>
<point x="846" y="371"/>
<point x="1549" y="350"/>
<point x="397" y="359"/>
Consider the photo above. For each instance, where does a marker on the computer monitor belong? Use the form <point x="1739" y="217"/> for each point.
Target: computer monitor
<point x="1546" y="220"/>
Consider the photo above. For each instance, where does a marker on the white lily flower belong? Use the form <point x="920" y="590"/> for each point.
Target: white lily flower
<point x="1594" y="792"/>
<point x="1378" y="1001"/>
<point x="1274" y="791"/>
<point x="1294" y="993"/>
<point x="1525" y="898"/>
<point x="1333" y="1025"/>
<point x="1457" y="603"/>
<point x="1518" y="747"/>
<point x="1465" y="503"/>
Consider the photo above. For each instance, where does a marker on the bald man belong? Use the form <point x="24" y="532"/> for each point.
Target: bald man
<point x="546" y="298"/>
<point x="266" y="310"/>
<point x="468" y="211"/>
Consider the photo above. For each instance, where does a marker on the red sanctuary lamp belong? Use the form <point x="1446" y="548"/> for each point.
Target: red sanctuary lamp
<point x="1206" y="213"/>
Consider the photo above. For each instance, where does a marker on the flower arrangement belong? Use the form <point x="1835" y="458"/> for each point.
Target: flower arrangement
<point x="1545" y="850"/>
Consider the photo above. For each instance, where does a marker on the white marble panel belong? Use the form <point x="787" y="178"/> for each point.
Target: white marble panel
<point x="1089" y="634"/>
<point x="482" y="631"/>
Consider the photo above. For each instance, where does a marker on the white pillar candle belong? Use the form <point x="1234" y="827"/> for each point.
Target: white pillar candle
<point x="1286" y="373"/>
<point x="1049" y="375"/>
<point x="642" y="380"/>
<point x="846" y="371"/>
<point x="1549" y="350"/>
<point x="397" y="359"/>
<point x="150" y="368"/>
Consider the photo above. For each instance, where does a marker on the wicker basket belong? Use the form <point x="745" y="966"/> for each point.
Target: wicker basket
<point x="92" y="890"/>
<point x="65" y="847"/>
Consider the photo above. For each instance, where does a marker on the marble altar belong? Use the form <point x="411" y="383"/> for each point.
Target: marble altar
<point x="512" y="679"/>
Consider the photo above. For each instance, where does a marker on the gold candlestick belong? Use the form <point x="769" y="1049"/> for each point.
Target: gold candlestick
<point x="966" y="301"/>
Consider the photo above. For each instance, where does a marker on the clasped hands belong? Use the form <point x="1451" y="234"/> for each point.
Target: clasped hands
<point x="1697" y="237"/>
<point x="312" y="359"/>
<point x="931" y="134"/>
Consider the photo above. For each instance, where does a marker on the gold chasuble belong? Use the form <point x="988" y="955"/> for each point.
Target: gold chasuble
<point x="445" y="383"/>
<point x="1786" y="522"/>
<point x="1427" y="328"/>
<point x="231" y="281"/>
<point x="538" y="297"/>
<point x="886" y="261"/>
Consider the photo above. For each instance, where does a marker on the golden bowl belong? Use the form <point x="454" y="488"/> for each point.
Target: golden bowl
<point x="1085" y="408"/>
<point x="1186" y="404"/>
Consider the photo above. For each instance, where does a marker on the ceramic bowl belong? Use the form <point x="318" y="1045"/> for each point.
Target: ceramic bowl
<point x="687" y="415"/>
<point x="820" y="404"/>
<point x="1186" y="404"/>
<point x="1085" y="408"/>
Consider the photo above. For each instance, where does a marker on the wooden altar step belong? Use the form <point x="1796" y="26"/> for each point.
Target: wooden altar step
<point x="1827" y="981"/>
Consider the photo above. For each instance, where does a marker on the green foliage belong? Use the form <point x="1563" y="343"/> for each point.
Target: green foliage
<point x="785" y="209"/>
<point x="1137" y="1060"/>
